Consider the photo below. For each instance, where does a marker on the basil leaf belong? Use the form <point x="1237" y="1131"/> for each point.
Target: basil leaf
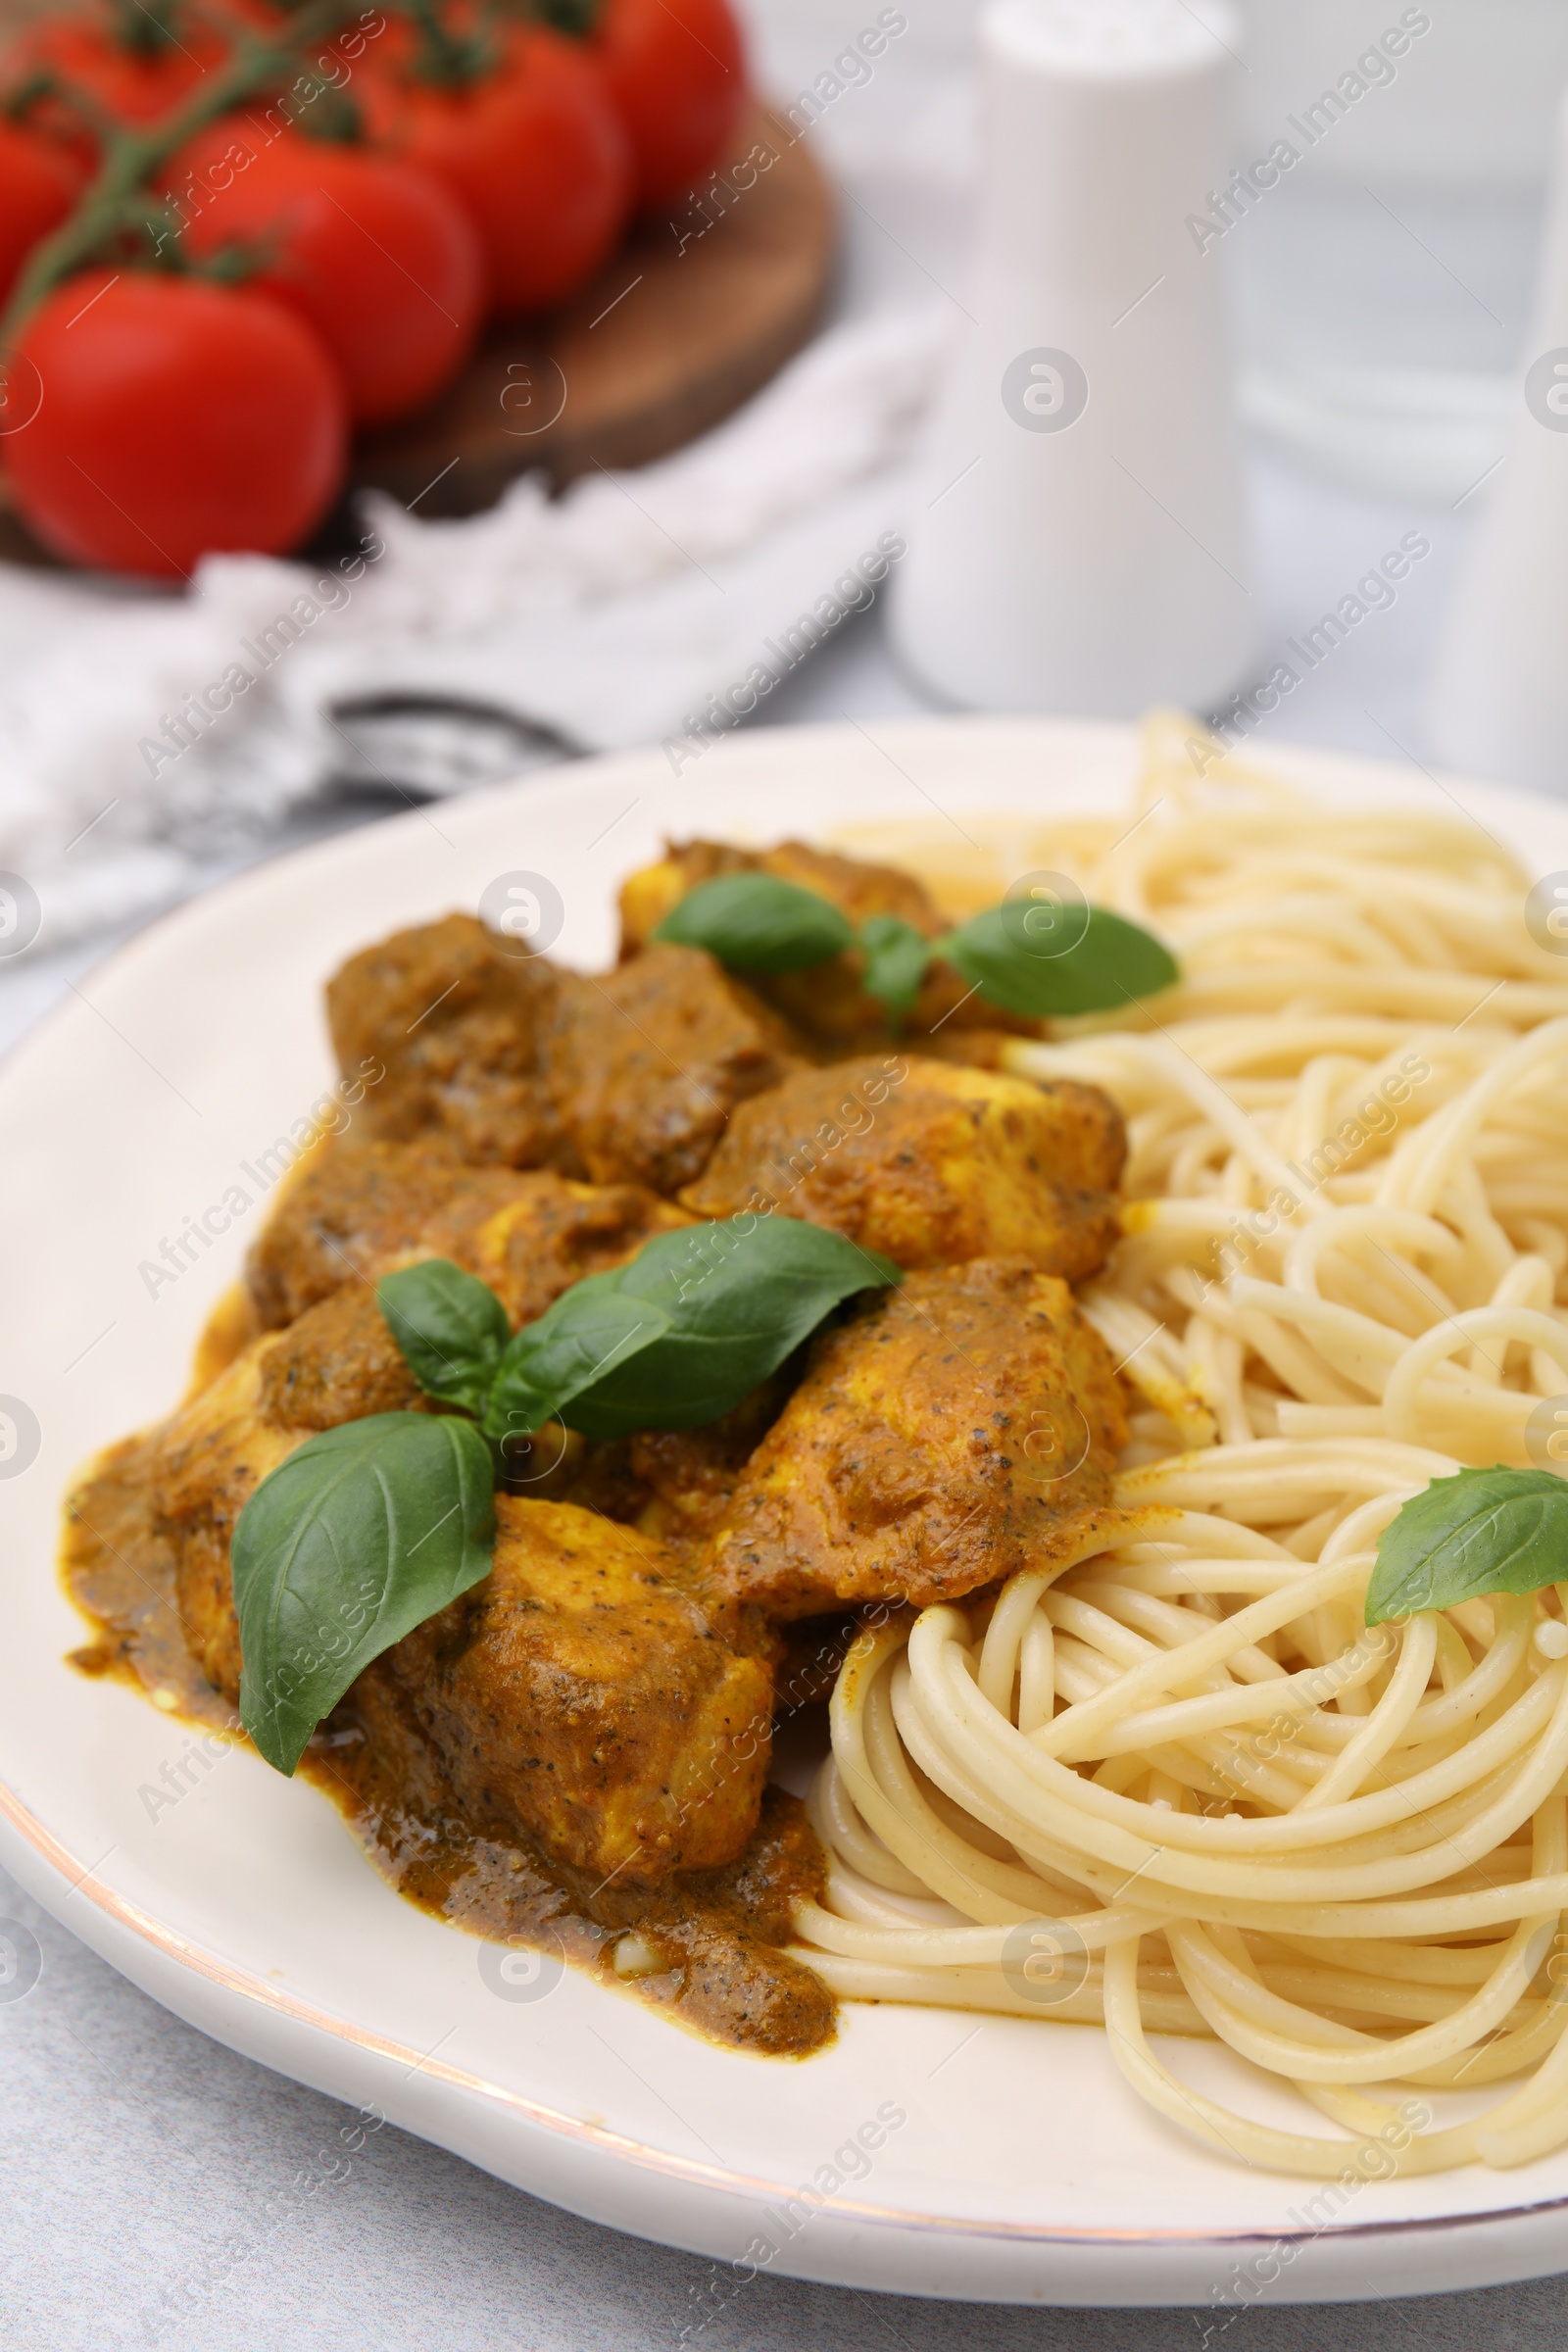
<point x="577" y="1341"/>
<point x="451" y="1327"/>
<point x="705" y="1315"/>
<point x="741" y="1297"/>
<point x="362" y="1533"/>
<point x="758" y="923"/>
<point x="896" y="957"/>
<point x="1484" y="1530"/>
<point x="1111" y="963"/>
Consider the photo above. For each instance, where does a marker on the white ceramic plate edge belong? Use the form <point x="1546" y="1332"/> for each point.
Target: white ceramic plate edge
<point x="632" y="2185"/>
<point x="608" y="2177"/>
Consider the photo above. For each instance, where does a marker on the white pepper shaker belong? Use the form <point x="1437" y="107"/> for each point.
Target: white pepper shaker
<point x="1079" y="543"/>
<point x="1500" y="695"/>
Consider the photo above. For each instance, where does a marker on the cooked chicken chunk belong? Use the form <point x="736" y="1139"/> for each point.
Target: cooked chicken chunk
<point x="351" y="1212"/>
<point x="928" y="1162"/>
<point x="588" y="1692"/>
<point x="506" y="1060"/>
<point x="651" y="1061"/>
<point x="584" y="1693"/>
<point x="357" y="1209"/>
<point x="460" y="1027"/>
<point x="953" y="1431"/>
<point x="825" y="1003"/>
<point x="337" y="1363"/>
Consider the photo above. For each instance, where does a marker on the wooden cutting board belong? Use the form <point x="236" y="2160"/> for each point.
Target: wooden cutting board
<point x="691" y="318"/>
<point x="693" y="315"/>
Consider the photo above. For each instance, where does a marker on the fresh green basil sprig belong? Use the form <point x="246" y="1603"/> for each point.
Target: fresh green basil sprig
<point x="367" y="1530"/>
<point x="1480" y="1532"/>
<point x="1023" y="957"/>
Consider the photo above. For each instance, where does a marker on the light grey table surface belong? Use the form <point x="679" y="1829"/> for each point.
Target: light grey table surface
<point x="140" y="2156"/>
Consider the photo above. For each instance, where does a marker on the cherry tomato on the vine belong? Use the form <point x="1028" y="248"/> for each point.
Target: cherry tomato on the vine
<point x="676" y="70"/>
<point x="536" y="152"/>
<point x="130" y="62"/>
<point x="39" y="183"/>
<point x="176" y="419"/>
<point x="374" y="249"/>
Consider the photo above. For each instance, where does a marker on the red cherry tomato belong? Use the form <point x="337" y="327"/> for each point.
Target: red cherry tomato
<point x="39" y="183"/>
<point x="135" y="79"/>
<point x="372" y="250"/>
<point x="676" y="70"/>
<point x="536" y="153"/>
<point x="174" y="418"/>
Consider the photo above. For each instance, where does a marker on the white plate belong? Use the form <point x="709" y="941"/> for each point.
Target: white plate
<point x="1026" y="2171"/>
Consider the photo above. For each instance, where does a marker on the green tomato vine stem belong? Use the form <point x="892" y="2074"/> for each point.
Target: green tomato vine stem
<point x="141" y="30"/>
<point x="131" y="156"/>
<point x="448" y="60"/>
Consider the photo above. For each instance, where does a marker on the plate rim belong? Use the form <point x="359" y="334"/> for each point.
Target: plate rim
<point x="54" y="1877"/>
<point x="244" y="1984"/>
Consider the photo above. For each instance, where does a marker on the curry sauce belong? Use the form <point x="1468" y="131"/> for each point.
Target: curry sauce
<point x="706" y="1949"/>
<point x="572" y="1753"/>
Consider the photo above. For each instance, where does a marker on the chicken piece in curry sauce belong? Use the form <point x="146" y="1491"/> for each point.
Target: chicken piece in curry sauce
<point x="592" y="1696"/>
<point x="504" y="1057"/>
<point x="826" y="1003"/>
<point x="930" y="1163"/>
<point x="578" y="1745"/>
<point x="948" y="1434"/>
<point x="358" y="1209"/>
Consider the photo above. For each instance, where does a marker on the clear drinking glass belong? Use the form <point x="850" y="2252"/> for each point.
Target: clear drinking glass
<point x="1383" y="274"/>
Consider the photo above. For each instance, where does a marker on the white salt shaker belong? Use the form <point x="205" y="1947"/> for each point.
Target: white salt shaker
<point x="1500" y="695"/>
<point x="1079" y="544"/>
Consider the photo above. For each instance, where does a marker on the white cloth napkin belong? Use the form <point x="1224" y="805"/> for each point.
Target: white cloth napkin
<point x="607" y="616"/>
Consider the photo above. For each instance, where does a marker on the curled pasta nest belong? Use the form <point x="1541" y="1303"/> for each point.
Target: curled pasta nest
<point x="1180" y="1785"/>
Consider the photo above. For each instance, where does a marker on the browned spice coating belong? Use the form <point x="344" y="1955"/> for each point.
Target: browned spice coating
<point x="951" y="1432"/>
<point x="650" y="1062"/>
<point x="339" y="1362"/>
<point x="360" y="1209"/>
<point x="459" y="1026"/>
<point x="929" y="1164"/>
<point x="713" y="1936"/>
<point x="507" y="1061"/>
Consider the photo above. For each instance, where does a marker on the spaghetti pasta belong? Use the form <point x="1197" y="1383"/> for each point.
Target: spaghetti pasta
<point x="1180" y="1785"/>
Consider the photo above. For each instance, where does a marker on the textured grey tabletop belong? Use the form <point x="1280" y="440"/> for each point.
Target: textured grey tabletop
<point x="162" y="2191"/>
